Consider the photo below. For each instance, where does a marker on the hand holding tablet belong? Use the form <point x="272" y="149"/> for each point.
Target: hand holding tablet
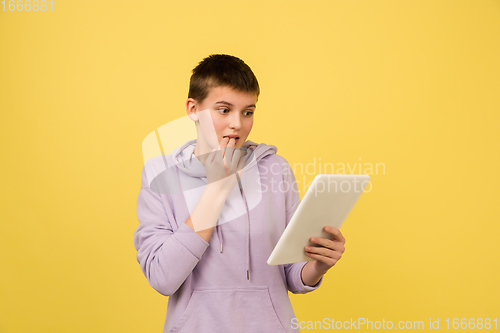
<point x="328" y="202"/>
<point x="327" y="251"/>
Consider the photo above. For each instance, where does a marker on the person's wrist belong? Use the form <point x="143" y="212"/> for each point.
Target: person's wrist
<point x="223" y="186"/>
<point x="320" y="272"/>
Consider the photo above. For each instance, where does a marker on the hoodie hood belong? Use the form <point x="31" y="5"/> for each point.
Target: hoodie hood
<point x="193" y="179"/>
<point x="188" y="163"/>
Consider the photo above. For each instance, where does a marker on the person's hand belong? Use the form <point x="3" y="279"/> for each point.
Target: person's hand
<point x="329" y="251"/>
<point x="222" y="164"/>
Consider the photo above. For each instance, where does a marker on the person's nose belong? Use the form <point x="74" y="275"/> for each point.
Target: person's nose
<point x="235" y="122"/>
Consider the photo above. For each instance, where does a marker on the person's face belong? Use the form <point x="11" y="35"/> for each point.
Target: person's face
<point x="226" y="111"/>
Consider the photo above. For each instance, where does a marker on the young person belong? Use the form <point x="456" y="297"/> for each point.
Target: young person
<point x="209" y="224"/>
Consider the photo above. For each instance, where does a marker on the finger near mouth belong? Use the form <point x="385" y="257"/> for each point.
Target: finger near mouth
<point x="229" y="138"/>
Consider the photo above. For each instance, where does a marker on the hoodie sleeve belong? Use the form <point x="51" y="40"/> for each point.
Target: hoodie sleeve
<point x="167" y="257"/>
<point x="293" y="271"/>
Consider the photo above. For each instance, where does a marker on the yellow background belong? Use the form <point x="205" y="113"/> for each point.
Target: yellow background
<point x="414" y="85"/>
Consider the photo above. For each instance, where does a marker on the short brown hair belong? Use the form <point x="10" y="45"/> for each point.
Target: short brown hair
<point x="221" y="70"/>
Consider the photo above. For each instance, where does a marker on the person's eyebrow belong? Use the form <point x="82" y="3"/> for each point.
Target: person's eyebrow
<point x="227" y="103"/>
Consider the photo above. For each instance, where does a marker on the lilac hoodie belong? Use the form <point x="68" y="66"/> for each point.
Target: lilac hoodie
<point x="224" y="285"/>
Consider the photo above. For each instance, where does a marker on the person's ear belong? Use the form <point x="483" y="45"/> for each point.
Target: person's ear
<point x="191" y="108"/>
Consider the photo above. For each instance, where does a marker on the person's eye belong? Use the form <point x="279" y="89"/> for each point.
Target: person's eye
<point x="224" y="109"/>
<point x="250" y="113"/>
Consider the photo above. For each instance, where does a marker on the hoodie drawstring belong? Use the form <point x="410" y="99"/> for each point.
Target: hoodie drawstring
<point x="219" y="234"/>
<point x="221" y="238"/>
<point x="248" y="226"/>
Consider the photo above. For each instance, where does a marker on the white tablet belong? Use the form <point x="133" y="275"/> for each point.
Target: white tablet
<point x="327" y="202"/>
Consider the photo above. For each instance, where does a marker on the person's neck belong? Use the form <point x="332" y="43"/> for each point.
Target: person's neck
<point x="201" y="151"/>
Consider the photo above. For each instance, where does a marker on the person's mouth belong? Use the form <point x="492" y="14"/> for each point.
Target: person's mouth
<point x="233" y="137"/>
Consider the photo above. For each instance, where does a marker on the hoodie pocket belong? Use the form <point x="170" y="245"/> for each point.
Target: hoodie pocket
<point x="242" y="309"/>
